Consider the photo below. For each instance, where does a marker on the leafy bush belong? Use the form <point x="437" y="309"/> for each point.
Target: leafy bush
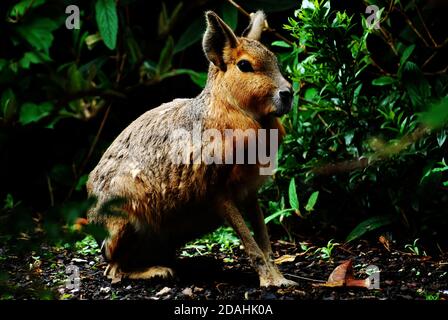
<point x="359" y="130"/>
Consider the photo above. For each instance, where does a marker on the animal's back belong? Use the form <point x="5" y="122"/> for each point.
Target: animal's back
<point x="138" y="166"/>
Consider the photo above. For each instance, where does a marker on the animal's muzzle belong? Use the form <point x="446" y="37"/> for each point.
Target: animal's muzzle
<point x="285" y="102"/>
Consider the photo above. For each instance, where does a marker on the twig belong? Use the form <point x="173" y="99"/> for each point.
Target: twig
<point x="50" y="191"/>
<point x="389" y="40"/>
<point x="91" y="150"/>
<point x="425" y="27"/>
<point x="376" y="65"/>
<point x="304" y="278"/>
<point x="429" y="59"/>
<point x="382" y="154"/>
<point x="268" y="29"/>
<point x="436" y="73"/>
<point x="327" y="126"/>
<point x="411" y="25"/>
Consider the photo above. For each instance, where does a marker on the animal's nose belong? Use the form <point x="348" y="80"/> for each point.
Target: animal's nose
<point x="286" y="96"/>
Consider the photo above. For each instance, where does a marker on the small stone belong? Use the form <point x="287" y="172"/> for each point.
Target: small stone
<point x="105" y="290"/>
<point x="91" y="263"/>
<point x="76" y="260"/>
<point x="187" y="292"/>
<point x="198" y="290"/>
<point x="164" y="291"/>
<point x="128" y="287"/>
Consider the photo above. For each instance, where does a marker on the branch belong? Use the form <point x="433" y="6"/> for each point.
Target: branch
<point x="425" y="27"/>
<point x="411" y="25"/>
<point x="268" y="29"/>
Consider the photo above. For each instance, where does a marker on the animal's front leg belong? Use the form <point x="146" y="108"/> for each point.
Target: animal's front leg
<point x="256" y="219"/>
<point x="268" y="273"/>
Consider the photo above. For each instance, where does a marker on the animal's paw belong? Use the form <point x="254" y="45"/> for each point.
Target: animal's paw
<point x="113" y="272"/>
<point x="278" y="282"/>
<point x="152" y="272"/>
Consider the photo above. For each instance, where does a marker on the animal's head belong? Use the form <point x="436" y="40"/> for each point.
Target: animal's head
<point x="246" y="72"/>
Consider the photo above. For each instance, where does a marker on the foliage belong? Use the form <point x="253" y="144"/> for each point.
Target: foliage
<point x="327" y="251"/>
<point x="414" y="248"/>
<point x="366" y="137"/>
<point x="66" y="93"/>
<point x="224" y="238"/>
<point x="87" y="246"/>
<point x="369" y="118"/>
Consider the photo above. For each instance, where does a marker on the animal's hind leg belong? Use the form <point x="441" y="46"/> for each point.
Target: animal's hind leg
<point x="136" y="255"/>
<point x="112" y="246"/>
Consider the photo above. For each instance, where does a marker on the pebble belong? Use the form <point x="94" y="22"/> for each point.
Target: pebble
<point x="164" y="291"/>
<point x="187" y="292"/>
<point x="105" y="289"/>
<point x="77" y="260"/>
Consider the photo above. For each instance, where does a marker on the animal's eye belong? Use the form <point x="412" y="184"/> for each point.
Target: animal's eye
<point x="245" y="66"/>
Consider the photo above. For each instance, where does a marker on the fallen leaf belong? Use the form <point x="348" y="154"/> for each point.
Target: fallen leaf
<point x="385" y="242"/>
<point x="341" y="272"/>
<point x="287" y="258"/>
<point x="342" y="276"/>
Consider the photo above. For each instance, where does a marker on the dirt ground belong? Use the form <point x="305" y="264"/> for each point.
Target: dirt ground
<point x="220" y="276"/>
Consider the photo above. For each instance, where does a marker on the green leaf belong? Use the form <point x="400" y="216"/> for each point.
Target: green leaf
<point x="285" y="212"/>
<point x="82" y="182"/>
<point x="33" y="58"/>
<point x="3" y="63"/>
<point x="30" y="112"/>
<point x="312" y="201"/>
<point x="91" y="40"/>
<point x="437" y="116"/>
<point x="23" y="6"/>
<point x="368" y="225"/>
<point x="230" y="15"/>
<point x="311" y="93"/>
<point x="8" y="104"/>
<point x="107" y="21"/>
<point x="76" y="81"/>
<point x="406" y="54"/>
<point x="293" y="200"/>
<point x="9" y="202"/>
<point x="199" y="78"/>
<point x="383" y="81"/>
<point x="166" y="57"/>
<point x="192" y="35"/>
<point x="38" y="33"/>
<point x="280" y="43"/>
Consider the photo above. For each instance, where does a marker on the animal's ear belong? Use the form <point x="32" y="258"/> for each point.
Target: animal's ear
<point x="217" y="37"/>
<point x="256" y="26"/>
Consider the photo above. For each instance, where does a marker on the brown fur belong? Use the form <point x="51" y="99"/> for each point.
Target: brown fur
<point x="166" y="204"/>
